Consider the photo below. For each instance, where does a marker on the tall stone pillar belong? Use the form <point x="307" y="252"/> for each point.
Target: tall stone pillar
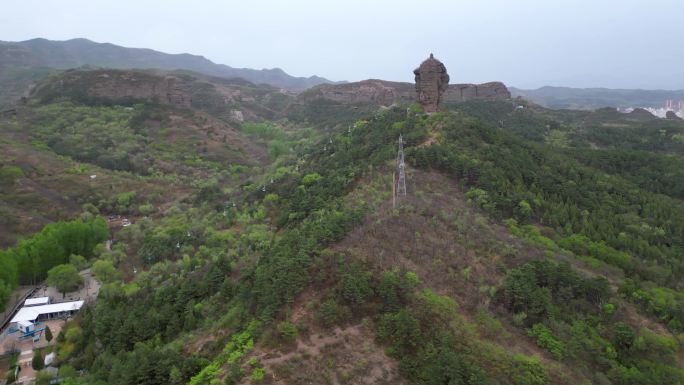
<point x="432" y="81"/>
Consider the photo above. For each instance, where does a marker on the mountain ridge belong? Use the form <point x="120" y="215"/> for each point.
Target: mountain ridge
<point x="80" y="51"/>
<point x="23" y="64"/>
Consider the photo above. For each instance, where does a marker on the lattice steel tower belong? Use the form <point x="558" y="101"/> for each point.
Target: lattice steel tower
<point x="401" y="172"/>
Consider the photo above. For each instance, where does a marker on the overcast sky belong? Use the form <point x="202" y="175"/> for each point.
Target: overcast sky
<point x="525" y="43"/>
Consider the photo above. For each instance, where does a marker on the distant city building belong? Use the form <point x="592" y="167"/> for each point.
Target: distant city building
<point x="672" y="106"/>
<point x="675" y="106"/>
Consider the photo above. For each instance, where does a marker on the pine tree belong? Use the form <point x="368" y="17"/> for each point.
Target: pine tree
<point x="37" y="363"/>
<point x="48" y="334"/>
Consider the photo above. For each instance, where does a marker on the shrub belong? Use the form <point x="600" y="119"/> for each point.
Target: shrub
<point x="355" y="284"/>
<point x="258" y="374"/>
<point x="327" y="313"/>
<point x="546" y="340"/>
<point x="311" y="178"/>
<point x="9" y="174"/>
<point x="524" y="209"/>
<point x="287" y="331"/>
<point x="529" y="371"/>
<point x="37" y="363"/>
<point x="78" y="261"/>
<point x="479" y="197"/>
<point x="146" y="208"/>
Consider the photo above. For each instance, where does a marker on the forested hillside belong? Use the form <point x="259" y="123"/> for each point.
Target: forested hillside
<point x="533" y="246"/>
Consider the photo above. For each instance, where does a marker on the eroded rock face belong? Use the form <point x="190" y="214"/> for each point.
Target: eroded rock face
<point x="230" y="99"/>
<point x="385" y="93"/>
<point x="119" y="85"/>
<point x="432" y="80"/>
<point x="485" y="91"/>
<point x="431" y="88"/>
<point x="373" y="91"/>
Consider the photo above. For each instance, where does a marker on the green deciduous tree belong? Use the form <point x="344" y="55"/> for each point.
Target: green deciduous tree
<point x="105" y="270"/>
<point x="65" y="278"/>
<point x="78" y="261"/>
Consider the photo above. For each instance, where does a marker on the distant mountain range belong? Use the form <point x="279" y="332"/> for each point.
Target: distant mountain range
<point x="23" y="63"/>
<point x="592" y="98"/>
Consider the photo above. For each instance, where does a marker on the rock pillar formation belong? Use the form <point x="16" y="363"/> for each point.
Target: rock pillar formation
<point x="432" y="81"/>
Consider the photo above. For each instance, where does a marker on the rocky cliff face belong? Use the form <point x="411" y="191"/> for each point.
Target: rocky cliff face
<point x="117" y="85"/>
<point x="367" y="91"/>
<point x="485" y="91"/>
<point x="239" y="100"/>
<point x="384" y="93"/>
<point x="233" y="99"/>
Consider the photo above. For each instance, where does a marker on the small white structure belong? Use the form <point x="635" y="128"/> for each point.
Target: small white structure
<point x="49" y="358"/>
<point x="45" y="312"/>
<point x="26" y="327"/>
<point x="37" y="301"/>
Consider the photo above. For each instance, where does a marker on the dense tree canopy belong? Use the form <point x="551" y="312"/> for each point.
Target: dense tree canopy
<point x="29" y="261"/>
<point x="65" y="278"/>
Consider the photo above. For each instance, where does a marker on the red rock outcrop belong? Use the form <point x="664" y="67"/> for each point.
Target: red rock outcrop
<point x="486" y="91"/>
<point x="385" y="93"/>
<point x="118" y="85"/>
<point x="432" y="80"/>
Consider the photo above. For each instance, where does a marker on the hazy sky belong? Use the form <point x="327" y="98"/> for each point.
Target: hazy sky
<point x="525" y="43"/>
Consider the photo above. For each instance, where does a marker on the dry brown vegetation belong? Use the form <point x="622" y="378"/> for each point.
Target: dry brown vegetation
<point x="343" y="355"/>
<point x="48" y="191"/>
<point x="455" y="250"/>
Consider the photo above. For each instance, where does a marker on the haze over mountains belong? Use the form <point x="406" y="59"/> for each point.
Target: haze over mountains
<point x="78" y="52"/>
<point x="592" y="98"/>
<point x="23" y="63"/>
